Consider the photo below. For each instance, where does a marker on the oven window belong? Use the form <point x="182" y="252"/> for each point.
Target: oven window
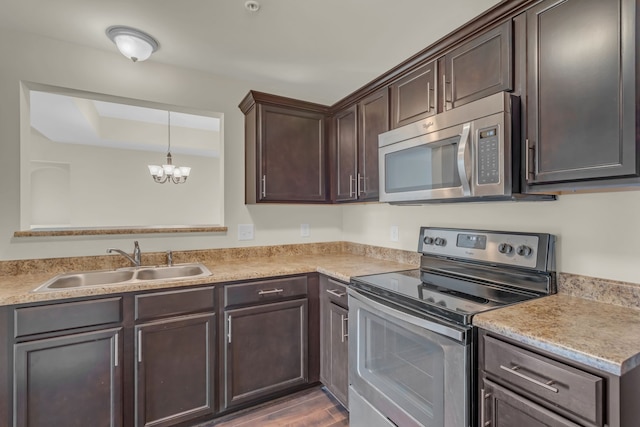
<point x="406" y="367"/>
<point x="424" y="167"/>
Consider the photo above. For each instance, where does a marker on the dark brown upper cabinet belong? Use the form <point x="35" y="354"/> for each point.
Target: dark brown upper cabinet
<point x="581" y="109"/>
<point x="413" y="96"/>
<point x="478" y="68"/>
<point x="285" y="150"/>
<point x="356" y="153"/>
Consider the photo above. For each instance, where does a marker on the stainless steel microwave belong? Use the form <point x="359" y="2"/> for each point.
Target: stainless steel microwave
<point x="469" y="153"/>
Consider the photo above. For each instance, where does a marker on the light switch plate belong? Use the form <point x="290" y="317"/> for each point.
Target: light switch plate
<point x="304" y="230"/>
<point x="395" y="233"/>
<point x="245" y="231"/>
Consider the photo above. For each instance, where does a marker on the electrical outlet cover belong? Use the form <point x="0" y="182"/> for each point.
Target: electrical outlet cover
<point x="304" y="230"/>
<point x="245" y="231"/>
<point x="395" y="233"/>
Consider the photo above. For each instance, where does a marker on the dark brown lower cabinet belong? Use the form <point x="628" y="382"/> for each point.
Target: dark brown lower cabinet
<point x="334" y="338"/>
<point x="504" y="408"/>
<point x="338" y="340"/>
<point x="174" y="370"/>
<point x="72" y="380"/>
<point x="265" y="350"/>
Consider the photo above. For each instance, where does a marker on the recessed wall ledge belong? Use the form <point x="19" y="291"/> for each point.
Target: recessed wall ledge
<point x="91" y="231"/>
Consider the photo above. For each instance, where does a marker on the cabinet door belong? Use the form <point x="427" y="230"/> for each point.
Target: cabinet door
<point x="292" y="155"/>
<point x="374" y="120"/>
<point x="479" y="68"/>
<point x="174" y="370"/>
<point x="500" y="407"/>
<point x="346" y="128"/>
<point x="73" y="380"/>
<point x="334" y="363"/>
<point x="413" y="96"/>
<point x="265" y="350"/>
<point x="581" y="90"/>
<point x="339" y="358"/>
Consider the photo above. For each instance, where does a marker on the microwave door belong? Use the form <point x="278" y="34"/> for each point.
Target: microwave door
<point x="425" y="167"/>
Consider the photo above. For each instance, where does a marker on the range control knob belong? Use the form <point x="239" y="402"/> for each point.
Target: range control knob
<point x="505" y="248"/>
<point x="524" y="250"/>
<point x="428" y="240"/>
<point x="440" y="241"/>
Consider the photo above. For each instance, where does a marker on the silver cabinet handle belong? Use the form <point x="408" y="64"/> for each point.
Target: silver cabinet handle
<point x="344" y="319"/>
<point x="361" y="189"/>
<point x="462" y="159"/>
<point x="139" y="345"/>
<point x="270" y="291"/>
<point x="514" y="371"/>
<point x="229" y="332"/>
<point x="336" y="293"/>
<point x="530" y="173"/>
<point x="115" y="350"/>
<point x="264" y="185"/>
<point x="351" y="192"/>
<point x="483" y="416"/>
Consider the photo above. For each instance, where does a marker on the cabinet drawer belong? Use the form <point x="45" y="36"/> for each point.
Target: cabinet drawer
<point x="336" y="292"/>
<point x="173" y="303"/>
<point x="266" y="290"/>
<point x="70" y="315"/>
<point x="562" y="386"/>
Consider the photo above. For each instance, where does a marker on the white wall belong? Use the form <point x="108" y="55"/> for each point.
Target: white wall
<point x="598" y="234"/>
<point x="41" y="60"/>
<point x="111" y="187"/>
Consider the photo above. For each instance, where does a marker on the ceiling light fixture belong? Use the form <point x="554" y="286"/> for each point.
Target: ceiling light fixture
<point x="169" y="172"/>
<point x="134" y="44"/>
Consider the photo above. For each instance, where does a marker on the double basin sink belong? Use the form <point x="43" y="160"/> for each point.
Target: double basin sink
<point x="123" y="276"/>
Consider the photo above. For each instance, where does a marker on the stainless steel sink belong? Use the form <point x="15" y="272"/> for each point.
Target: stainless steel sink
<point x="123" y="276"/>
<point x="172" y="272"/>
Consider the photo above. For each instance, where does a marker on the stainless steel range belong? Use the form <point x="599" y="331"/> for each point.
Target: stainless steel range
<point x="412" y="352"/>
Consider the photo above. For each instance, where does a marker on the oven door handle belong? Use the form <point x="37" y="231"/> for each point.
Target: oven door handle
<point x="463" y="148"/>
<point x="448" y="331"/>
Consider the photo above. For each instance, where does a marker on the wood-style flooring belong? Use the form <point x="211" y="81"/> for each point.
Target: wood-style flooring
<point x="309" y="408"/>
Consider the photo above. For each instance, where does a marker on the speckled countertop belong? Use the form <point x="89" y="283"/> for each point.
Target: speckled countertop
<point x="597" y="334"/>
<point x="17" y="289"/>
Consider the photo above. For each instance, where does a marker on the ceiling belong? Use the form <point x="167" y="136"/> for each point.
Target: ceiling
<point x="319" y="50"/>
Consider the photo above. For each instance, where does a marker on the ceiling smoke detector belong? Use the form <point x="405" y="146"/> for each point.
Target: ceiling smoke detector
<point x="252" y="5"/>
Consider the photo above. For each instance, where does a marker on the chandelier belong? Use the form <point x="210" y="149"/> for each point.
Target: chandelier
<point x="169" y="172"/>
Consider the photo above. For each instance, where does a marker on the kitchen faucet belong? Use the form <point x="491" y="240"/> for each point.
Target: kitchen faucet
<point x="135" y="260"/>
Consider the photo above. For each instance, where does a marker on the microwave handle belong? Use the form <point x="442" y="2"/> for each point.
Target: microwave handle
<point x="462" y="159"/>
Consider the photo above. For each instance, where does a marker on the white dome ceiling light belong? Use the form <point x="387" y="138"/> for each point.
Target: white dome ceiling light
<point x="132" y="43"/>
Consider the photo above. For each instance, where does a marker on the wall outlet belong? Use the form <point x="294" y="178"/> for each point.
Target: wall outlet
<point x="245" y="231"/>
<point x="395" y="233"/>
<point x="304" y="230"/>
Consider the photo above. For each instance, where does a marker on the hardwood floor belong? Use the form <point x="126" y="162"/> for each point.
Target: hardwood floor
<point x="310" y="408"/>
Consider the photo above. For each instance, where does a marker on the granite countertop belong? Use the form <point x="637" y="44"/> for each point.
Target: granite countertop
<point x="17" y="289"/>
<point x="600" y="335"/>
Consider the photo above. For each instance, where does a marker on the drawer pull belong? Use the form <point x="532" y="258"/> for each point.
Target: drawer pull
<point x="514" y="371"/>
<point x="336" y="293"/>
<point x="270" y="291"/>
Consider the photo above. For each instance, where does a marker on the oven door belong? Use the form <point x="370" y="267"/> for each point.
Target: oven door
<point x="404" y="369"/>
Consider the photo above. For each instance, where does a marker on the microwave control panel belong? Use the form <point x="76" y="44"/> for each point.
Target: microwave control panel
<point x="488" y="156"/>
